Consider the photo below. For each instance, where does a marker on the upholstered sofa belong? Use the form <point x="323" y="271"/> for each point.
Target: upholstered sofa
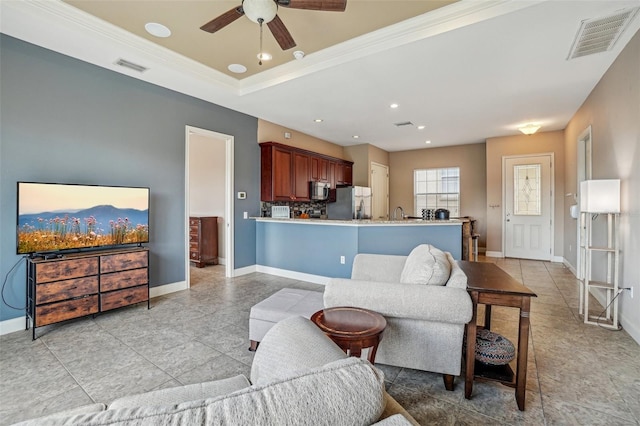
<point x="424" y="300"/>
<point x="298" y="377"/>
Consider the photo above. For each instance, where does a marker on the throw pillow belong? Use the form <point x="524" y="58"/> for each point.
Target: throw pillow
<point x="426" y="264"/>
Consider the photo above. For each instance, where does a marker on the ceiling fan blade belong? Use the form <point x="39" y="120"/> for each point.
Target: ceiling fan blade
<point x="327" y="5"/>
<point x="281" y="33"/>
<point x="223" y="20"/>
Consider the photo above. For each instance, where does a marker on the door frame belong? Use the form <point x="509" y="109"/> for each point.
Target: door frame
<point x="551" y="204"/>
<point x="228" y="203"/>
<point x="584" y="154"/>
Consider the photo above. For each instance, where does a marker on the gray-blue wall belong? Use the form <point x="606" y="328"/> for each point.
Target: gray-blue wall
<point x="64" y="120"/>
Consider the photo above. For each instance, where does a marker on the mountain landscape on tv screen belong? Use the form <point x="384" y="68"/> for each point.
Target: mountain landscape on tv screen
<point x="102" y="225"/>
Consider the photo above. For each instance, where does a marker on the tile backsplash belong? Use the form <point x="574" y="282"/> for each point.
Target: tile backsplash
<point x="296" y="207"/>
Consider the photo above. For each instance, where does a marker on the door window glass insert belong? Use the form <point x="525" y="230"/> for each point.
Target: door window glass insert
<point x="527" y="190"/>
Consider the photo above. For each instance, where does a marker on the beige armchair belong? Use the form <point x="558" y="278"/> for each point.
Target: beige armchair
<point x="425" y="323"/>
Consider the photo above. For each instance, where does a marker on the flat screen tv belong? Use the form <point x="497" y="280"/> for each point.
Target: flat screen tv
<point x="55" y="218"/>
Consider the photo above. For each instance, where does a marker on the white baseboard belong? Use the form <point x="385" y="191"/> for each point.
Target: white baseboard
<point x="557" y="259"/>
<point x="244" y="271"/>
<point x="222" y="261"/>
<point x="12" y="325"/>
<point x="161" y="290"/>
<point x="494" y="254"/>
<point x="18" y="324"/>
<point x="632" y="329"/>
<point x="317" y="279"/>
<point x="570" y="267"/>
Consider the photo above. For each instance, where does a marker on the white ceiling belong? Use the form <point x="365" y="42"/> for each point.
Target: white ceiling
<point x="468" y="71"/>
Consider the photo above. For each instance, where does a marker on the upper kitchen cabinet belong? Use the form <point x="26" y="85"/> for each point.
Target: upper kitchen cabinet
<point x="286" y="172"/>
<point x="319" y="169"/>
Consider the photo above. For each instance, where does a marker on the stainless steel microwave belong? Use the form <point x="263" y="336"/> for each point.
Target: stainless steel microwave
<point x="319" y="190"/>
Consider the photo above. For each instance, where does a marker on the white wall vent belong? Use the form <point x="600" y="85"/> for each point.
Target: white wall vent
<point x="131" y="65"/>
<point x="600" y="34"/>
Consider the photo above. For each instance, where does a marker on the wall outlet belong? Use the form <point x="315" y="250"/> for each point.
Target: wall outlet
<point x="245" y="215"/>
<point x="342" y="260"/>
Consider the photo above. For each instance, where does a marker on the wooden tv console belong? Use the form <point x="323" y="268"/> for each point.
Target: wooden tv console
<point x="81" y="284"/>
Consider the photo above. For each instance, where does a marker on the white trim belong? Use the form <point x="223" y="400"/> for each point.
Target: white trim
<point x="494" y="254"/>
<point x="317" y="279"/>
<point x="161" y="290"/>
<point x="244" y="271"/>
<point x="18" y="324"/>
<point x="362" y="222"/>
<point x="12" y="325"/>
<point x="551" y="203"/>
<point x="569" y="266"/>
<point x="229" y="198"/>
<point x="222" y="260"/>
<point x="632" y="329"/>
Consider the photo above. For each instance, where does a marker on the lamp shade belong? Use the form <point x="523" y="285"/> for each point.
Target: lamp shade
<point x="600" y="196"/>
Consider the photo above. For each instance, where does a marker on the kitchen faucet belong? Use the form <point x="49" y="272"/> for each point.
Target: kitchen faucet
<point x="401" y="212"/>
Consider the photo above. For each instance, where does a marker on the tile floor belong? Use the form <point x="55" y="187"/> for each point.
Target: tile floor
<point x="577" y="374"/>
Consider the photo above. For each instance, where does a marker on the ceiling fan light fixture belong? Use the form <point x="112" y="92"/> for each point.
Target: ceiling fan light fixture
<point x="264" y="56"/>
<point x="260" y="9"/>
<point x="529" y="129"/>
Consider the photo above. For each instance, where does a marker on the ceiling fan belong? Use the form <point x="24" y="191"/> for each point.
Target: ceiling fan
<point x="265" y="11"/>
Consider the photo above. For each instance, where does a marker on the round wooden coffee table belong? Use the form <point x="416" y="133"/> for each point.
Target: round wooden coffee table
<point x="352" y="328"/>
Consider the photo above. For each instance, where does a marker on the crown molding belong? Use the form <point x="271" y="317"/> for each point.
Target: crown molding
<point x="166" y="65"/>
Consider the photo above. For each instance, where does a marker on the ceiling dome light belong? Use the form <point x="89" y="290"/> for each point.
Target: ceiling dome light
<point x="237" y="68"/>
<point x="157" y="30"/>
<point x="260" y="9"/>
<point x="529" y="129"/>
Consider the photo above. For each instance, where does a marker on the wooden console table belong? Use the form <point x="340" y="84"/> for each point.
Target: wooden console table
<point x="489" y="285"/>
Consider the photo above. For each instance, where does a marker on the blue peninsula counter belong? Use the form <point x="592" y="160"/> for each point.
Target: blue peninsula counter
<point x="318" y="249"/>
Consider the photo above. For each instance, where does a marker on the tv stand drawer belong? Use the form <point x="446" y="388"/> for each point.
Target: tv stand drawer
<point x="61" y="311"/>
<point x="56" y="270"/>
<point x="124" y="279"/>
<point x="125" y="297"/>
<point x="66" y="289"/>
<point x="123" y="261"/>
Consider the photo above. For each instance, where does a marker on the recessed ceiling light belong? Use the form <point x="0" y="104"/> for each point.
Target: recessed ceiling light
<point x="237" y="68"/>
<point x="157" y="30"/>
<point x="356" y="136"/>
<point x="318" y="120"/>
<point x="420" y="127"/>
<point x="427" y="142"/>
<point x="264" y="56"/>
<point x="394" y="105"/>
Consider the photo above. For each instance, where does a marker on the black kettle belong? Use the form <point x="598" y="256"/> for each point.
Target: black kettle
<point x="442" y="214"/>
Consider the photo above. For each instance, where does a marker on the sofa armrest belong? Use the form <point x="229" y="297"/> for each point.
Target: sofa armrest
<point x="292" y="345"/>
<point x="377" y="267"/>
<point x="417" y="301"/>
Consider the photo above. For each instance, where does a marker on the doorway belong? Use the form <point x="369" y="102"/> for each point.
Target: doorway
<point x="528" y="201"/>
<point x="379" y="191"/>
<point x="209" y="189"/>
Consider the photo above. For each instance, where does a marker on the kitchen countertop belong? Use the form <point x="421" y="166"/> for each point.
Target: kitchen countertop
<point x="363" y="222"/>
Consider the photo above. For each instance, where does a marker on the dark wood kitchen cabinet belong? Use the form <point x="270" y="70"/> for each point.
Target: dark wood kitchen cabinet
<point x="286" y="172"/>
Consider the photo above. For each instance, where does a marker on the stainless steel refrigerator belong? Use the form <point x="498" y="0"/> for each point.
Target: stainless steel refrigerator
<point x="352" y="202"/>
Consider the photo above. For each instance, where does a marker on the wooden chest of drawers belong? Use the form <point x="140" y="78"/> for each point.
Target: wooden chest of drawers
<point x="203" y="240"/>
<point x="85" y="284"/>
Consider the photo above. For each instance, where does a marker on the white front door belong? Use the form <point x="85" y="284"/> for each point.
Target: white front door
<point x="528" y="207"/>
<point x="379" y="191"/>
